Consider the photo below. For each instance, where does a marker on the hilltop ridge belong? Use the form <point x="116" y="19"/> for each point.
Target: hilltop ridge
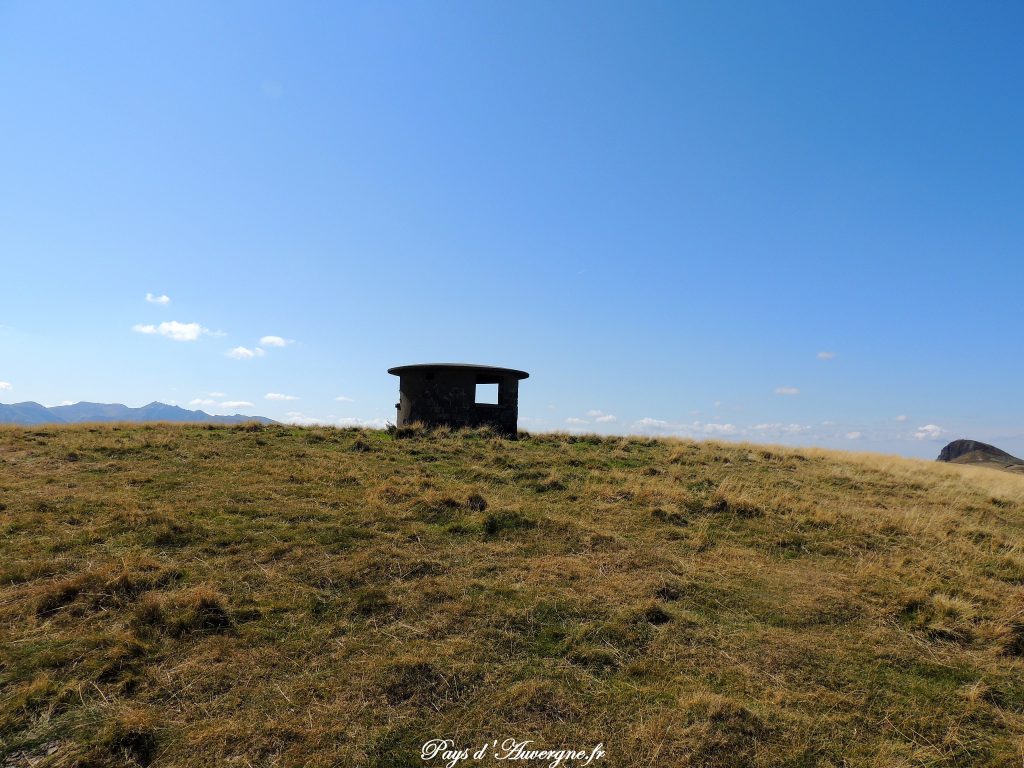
<point x="195" y="595"/>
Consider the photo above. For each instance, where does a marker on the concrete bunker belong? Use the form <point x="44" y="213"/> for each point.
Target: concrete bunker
<point x="457" y="395"/>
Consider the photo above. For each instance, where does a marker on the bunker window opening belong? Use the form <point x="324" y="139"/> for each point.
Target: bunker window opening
<point x="486" y="393"/>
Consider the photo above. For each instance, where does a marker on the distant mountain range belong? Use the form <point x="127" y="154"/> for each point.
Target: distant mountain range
<point x="980" y="455"/>
<point x="80" y="413"/>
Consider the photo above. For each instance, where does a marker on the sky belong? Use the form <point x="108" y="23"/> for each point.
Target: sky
<point x="793" y="222"/>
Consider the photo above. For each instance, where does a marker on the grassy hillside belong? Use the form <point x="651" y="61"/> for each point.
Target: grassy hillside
<point x="257" y="596"/>
<point x="983" y="459"/>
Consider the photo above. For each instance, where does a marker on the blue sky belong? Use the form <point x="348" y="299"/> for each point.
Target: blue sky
<point x="783" y="222"/>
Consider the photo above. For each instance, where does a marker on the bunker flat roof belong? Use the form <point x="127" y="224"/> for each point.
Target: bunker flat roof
<point x="398" y="370"/>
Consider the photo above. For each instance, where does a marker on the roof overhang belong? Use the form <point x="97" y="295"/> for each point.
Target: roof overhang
<point x="482" y="370"/>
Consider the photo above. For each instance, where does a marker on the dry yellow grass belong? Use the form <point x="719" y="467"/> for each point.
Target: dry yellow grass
<point x="194" y="596"/>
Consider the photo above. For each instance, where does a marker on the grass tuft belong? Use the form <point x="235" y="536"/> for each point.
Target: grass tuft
<point x="502" y="521"/>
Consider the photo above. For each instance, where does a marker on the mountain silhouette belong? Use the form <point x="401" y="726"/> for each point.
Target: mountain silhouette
<point x="81" y="413"/>
<point x="980" y="454"/>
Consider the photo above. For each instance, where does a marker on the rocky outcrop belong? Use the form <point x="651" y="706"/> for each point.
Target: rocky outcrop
<point x="980" y="454"/>
<point x="959" y="448"/>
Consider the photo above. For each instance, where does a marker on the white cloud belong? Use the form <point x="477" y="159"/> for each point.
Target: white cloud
<point x="202" y="401"/>
<point x="787" y="391"/>
<point x="660" y="426"/>
<point x="534" y="420"/>
<point x="367" y="423"/>
<point x="236" y="404"/>
<point x="5" y="386"/>
<point x="716" y="429"/>
<point x="779" y="429"/>
<point x="295" y="417"/>
<point x="300" y="419"/>
<point x="576" y="422"/>
<point x="854" y="435"/>
<point x="826" y="355"/>
<point x="173" y="330"/>
<point x="161" y="299"/>
<point x="244" y="353"/>
<point x="647" y="423"/>
<point x="278" y="396"/>
<point x="274" y="341"/>
<point x="929" y="432"/>
<point x="901" y="418"/>
<point x="344" y="399"/>
<point x="600" y="416"/>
